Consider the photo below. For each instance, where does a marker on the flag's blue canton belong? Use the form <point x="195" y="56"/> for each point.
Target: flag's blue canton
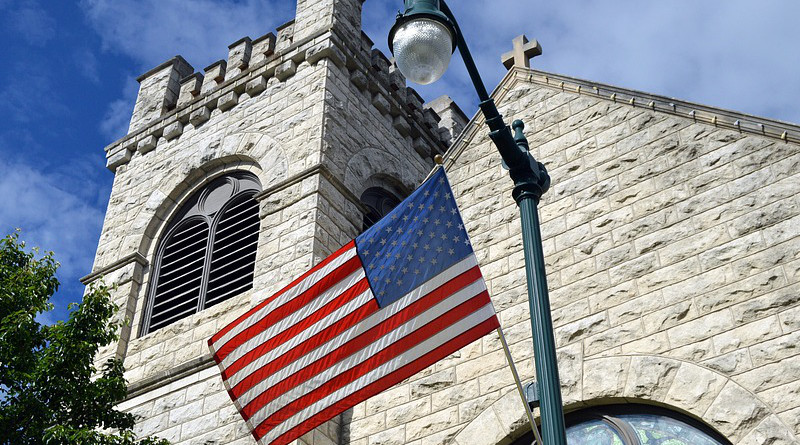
<point x="420" y="238"/>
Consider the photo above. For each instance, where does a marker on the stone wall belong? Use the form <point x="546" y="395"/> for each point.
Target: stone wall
<point x="672" y="244"/>
<point x="317" y="116"/>
<point x="673" y="260"/>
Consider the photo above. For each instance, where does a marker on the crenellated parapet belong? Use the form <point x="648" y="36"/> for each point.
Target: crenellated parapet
<point x="173" y="96"/>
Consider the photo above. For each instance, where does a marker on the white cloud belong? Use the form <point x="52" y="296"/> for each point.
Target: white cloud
<point x="30" y="21"/>
<point x="733" y="54"/>
<point x="59" y="210"/>
<point x="49" y="215"/>
<point x="117" y="117"/>
<point x="86" y="62"/>
<point x="152" y="31"/>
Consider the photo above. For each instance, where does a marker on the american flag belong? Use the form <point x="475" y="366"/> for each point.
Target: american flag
<point x="403" y="295"/>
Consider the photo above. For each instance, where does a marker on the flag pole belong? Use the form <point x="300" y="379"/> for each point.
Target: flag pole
<point x="519" y="386"/>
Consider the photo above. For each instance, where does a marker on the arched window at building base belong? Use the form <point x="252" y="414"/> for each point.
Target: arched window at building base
<point x="633" y="424"/>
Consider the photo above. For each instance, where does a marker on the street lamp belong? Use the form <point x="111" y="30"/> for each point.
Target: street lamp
<point x="422" y="42"/>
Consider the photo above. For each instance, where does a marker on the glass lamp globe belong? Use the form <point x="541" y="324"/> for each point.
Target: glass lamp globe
<point x="422" y="50"/>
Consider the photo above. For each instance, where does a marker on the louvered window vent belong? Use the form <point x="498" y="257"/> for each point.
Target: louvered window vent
<point x="208" y="253"/>
<point x="379" y="202"/>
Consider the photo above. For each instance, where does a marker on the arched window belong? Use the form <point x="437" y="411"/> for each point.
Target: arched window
<point x="379" y="203"/>
<point x="634" y="425"/>
<point x="208" y="253"/>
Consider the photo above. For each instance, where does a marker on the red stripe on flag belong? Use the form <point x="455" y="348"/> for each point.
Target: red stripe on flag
<point x="214" y="338"/>
<point x="381" y="357"/>
<point x="305" y="347"/>
<point x="288" y="308"/>
<point x="359" y="288"/>
<point x="419" y="306"/>
<point x="381" y="384"/>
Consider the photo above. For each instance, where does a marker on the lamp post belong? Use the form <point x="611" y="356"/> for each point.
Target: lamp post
<point x="422" y="41"/>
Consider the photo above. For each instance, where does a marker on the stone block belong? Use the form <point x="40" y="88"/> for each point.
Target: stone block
<point x="770" y="431"/>
<point x="770" y="351"/>
<point x="773" y="374"/>
<point x="362" y="427"/>
<point x="199" y="116"/>
<point x="400" y="123"/>
<point x="173" y="130"/>
<point x="744" y="289"/>
<point x="214" y="76"/>
<point x="402" y="414"/>
<point x="121" y="155"/>
<point x="263" y="48"/>
<point x="605" y="377"/>
<point x="747" y="335"/>
<point x="397" y="82"/>
<point x="613" y="337"/>
<point x="387" y="399"/>
<point x="286" y="70"/>
<point x="421" y="147"/>
<point x="433" y="383"/>
<point x="581" y="328"/>
<point x="694" y="388"/>
<point x="414" y="100"/>
<point x="228" y="100"/>
<point x="325" y="50"/>
<point x="651" y="377"/>
<point x="239" y="54"/>
<point x="256" y="86"/>
<point x="392" y="436"/>
<point x="380" y="103"/>
<point x="486" y="429"/>
<point x="735" y="412"/>
<point x="190" y="88"/>
<point x="734" y="362"/>
<point x="439" y="421"/>
<point x="700" y="328"/>
<point x="359" y="79"/>
<point x="454" y="395"/>
<point x="147" y="144"/>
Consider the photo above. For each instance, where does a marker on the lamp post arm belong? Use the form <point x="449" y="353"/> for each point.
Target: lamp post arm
<point x="523" y="169"/>
<point x="483" y="95"/>
<point x="530" y="182"/>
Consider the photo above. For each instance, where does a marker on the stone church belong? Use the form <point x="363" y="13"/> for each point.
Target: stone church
<point x="671" y="234"/>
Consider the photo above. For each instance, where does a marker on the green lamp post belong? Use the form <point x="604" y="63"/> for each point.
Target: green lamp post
<point x="422" y="41"/>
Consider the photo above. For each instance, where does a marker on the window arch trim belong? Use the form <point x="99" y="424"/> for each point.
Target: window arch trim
<point x="243" y="186"/>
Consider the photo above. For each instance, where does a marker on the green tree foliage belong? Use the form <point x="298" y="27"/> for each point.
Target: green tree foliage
<point x="50" y="389"/>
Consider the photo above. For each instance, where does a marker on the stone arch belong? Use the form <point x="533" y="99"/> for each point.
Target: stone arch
<point x="373" y="167"/>
<point x="257" y="153"/>
<point x="681" y="386"/>
<point x="161" y="205"/>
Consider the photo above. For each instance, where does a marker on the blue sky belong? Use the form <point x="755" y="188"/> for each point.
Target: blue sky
<point x="68" y="80"/>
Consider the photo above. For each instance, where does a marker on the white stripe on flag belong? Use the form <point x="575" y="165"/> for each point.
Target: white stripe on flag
<point x="296" y="316"/>
<point x="365" y="324"/>
<point x="484" y="313"/>
<point x="331" y="318"/>
<point x="290" y="294"/>
<point x="356" y="358"/>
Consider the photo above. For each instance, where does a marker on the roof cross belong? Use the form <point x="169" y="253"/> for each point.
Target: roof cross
<point x="522" y="53"/>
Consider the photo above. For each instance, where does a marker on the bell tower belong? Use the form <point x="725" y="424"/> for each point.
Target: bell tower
<point x="235" y="179"/>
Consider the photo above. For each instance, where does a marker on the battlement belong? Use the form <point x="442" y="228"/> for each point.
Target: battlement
<point x="172" y="95"/>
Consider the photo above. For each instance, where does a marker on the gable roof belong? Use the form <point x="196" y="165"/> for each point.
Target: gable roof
<point x="719" y="117"/>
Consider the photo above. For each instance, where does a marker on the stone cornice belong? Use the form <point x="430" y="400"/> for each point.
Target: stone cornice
<point x="164" y="378"/>
<point x="318" y="169"/>
<point x="135" y="257"/>
<point x="719" y="117"/>
<point x="325" y="44"/>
